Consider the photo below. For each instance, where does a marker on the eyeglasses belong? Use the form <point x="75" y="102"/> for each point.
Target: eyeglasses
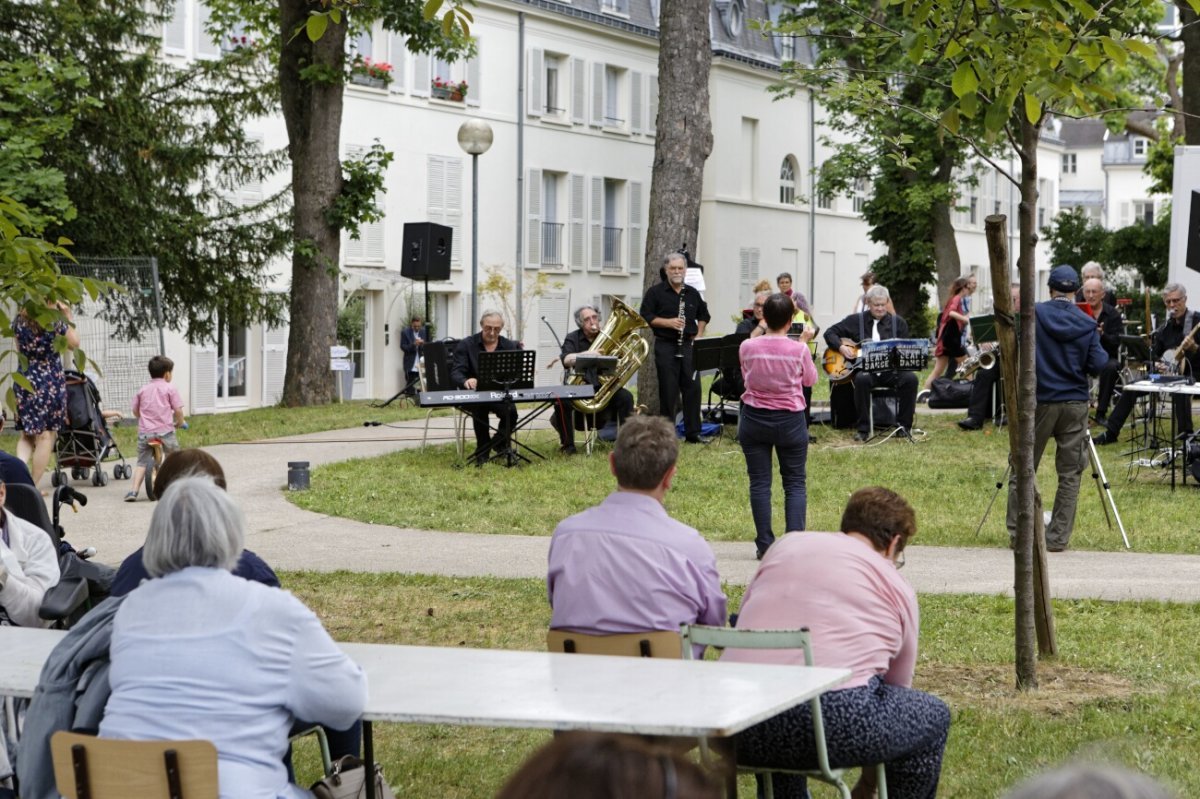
<point x="758" y="305"/>
<point x="1173" y="300"/>
<point x="493" y="328"/>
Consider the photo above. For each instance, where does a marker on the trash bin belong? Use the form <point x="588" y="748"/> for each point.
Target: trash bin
<point x="347" y="378"/>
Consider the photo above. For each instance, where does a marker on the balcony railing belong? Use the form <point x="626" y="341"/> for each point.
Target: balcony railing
<point x="612" y="249"/>
<point x="552" y="236"/>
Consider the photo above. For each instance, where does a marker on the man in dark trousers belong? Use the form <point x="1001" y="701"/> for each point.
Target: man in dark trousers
<point x="575" y="342"/>
<point x="677" y="314"/>
<point x="983" y="387"/>
<point x="465" y="374"/>
<point x="1110" y="327"/>
<point x="412" y="339"/>
<point x="875" y="323"/>
<point x="1067" y="351"/>
<point x="1166" y="342"/>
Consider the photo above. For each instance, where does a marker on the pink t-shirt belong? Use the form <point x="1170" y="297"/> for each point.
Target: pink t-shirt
<point x="775" y="370"/>
<point x="155" y="405"/>
<point x="862" y="614"/>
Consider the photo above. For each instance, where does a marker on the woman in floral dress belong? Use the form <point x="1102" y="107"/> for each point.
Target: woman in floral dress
<point x="44" y="410"/>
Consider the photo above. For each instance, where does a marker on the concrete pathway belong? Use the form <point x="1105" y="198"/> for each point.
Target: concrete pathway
<point x="290" y="538"/>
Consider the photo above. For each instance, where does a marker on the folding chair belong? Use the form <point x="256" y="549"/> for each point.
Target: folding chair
<point x="649" y="644"/>
<point x="86" y="767"/>
<point x="731" y="638"/>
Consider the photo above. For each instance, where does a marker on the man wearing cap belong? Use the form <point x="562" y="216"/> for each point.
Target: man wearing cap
<point x="1067" y="351"/>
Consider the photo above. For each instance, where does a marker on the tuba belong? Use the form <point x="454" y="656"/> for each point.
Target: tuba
<point x="621" y="336"/>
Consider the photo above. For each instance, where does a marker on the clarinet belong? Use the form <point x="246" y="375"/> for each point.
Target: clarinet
<point x="682" y="307"/>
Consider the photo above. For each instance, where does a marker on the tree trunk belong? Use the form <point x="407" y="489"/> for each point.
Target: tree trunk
<point x="683" y="141"/>
<point x="312" y="109"/>
<point x="945" y="244"/>
<point x="1190" y="74"/>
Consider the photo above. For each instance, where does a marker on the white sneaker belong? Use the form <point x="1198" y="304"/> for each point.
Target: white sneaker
<point x="1046" y="517"/>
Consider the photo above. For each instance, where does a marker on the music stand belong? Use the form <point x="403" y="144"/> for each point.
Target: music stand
<point x="983" y="328"/>
<point x="505" y="370"/>
<point x="1136" y="348"/>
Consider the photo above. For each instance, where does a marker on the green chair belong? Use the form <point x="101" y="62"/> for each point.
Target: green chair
<point x="732" y="638"/>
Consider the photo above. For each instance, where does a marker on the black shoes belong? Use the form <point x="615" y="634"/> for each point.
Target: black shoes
<point x="970" y="424"/>
<point x="1101" y="418"/>
<point x="568" y="449"/>
<point x="861" y="436"/>
<point x="1106" y="437"/>
<point x="696" y="440"/>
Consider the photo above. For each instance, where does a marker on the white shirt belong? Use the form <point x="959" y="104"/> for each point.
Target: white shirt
<point x="32" y="570"/>
<point x="203" y="654"/>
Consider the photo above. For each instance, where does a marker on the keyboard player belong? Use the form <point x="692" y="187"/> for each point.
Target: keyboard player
<point x="577" y="341"/>
<point x="465" y="374"/>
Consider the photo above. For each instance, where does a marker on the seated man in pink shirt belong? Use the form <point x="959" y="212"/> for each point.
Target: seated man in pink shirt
<point x="625" y="565"/>
<point x="159" y="410"/>
<point x="847" y="589"/>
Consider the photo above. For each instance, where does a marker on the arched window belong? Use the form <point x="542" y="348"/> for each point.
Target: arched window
<point x="787" y="181"/>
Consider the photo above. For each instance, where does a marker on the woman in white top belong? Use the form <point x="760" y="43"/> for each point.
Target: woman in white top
<point x="200" y="653"/>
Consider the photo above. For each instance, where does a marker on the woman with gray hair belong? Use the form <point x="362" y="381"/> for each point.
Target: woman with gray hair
<point x="200" y="653"/>
<point x="1090" y="782"/>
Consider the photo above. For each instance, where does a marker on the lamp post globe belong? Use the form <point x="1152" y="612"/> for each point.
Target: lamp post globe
<point x="474" y="137"/>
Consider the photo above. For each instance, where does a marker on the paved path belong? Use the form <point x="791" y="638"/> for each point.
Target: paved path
<point x="291" y="538"/>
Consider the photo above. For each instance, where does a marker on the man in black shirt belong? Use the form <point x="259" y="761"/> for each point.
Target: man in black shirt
<point x="875" y="323"/>
<point x="1110" y="326"/>
<point x="465" y="374"/>
<point x="677" y="314"/>
<point x="1166" y="341"/>
<point x="577" y="341"/>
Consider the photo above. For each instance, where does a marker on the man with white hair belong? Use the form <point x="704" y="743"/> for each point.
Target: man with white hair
<point x="1109" y="325"/>
<point x="1092" y="270"/>
<point x="465" y="374"/>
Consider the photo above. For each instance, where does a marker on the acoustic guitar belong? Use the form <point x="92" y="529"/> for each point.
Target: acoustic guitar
<point x="838" y="366"/>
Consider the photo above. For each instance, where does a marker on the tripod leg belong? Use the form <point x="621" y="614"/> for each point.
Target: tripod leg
<point x="999" y="484"/>
<point x="1106" y="493"/>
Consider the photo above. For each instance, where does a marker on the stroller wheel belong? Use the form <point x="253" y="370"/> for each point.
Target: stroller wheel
<point x="75" y="473"/>
<point x="100" y="478"/>
<point x="119" y="471"/>
<point x="84" y="473"/>
<point x="57" y="479"/>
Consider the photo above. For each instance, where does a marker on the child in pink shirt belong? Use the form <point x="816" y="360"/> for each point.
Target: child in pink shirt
<point x="159" y="410"/>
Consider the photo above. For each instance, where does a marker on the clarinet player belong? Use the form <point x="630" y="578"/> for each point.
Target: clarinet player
<point x="677" y="314"/>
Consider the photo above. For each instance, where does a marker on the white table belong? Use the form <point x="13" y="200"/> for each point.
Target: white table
<point x="534" y="690"/>
<point x="1167" y="390"/>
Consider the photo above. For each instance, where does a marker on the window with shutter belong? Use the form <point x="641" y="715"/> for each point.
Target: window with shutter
<point x="274" y="364"/>
<point x="534" y="96"/>
<point x="651" y="105"/>
<point x="533" y="213"/>
<point x="367" y="249"/>
<point x="398" y="57"/>
<point x="597" y="95"/>
<point x="578" y="90"/>
<point x="597" y="219"/>
<point x="174" y="31"/>
<point x="553" y="307"/>
<point x="475" y="74"/>
<point x="204" y="379"/>
<point x="421" y="78"/>
<point x="444" y="190"/>
<point x="577" y="212"/>
<point x="636" y="105"/>
<point x="206" y="45"/>
<point x="637" y="252"/>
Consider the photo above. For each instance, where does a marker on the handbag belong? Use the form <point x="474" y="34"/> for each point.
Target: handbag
<point x="349" y="781"/>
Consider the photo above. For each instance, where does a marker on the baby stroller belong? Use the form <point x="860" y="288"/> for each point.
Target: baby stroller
<point x="85" y="441"/>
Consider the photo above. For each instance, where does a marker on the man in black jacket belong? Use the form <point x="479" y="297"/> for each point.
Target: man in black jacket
<point x="1110" y="327"/>
<point x="465" y="374"/>
<point x="875" y="323"/>
<point x="412" y="339"/>
<point x="577" y="341"/>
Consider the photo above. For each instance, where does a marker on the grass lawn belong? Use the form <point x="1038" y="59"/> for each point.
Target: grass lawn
<point x="949" y="477"/>
<point x="1133" y="702"/>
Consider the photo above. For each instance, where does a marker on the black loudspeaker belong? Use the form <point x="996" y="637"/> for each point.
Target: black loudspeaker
<point x="426" y="252"/>
<point x="1192" y="247"/>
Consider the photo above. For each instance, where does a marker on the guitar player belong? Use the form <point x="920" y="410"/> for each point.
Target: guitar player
<point x="875" y="323"/>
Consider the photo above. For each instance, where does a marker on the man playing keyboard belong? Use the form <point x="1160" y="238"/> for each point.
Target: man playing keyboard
<point x="465" y="374"/>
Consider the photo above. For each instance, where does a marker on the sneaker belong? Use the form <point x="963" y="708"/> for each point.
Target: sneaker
<point x="970" y="424"/>
<point x="1046" y="517"/>
<point x="131" y="496"/>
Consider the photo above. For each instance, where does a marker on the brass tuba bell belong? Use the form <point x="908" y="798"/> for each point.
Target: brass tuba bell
<point x="621" y="336"/>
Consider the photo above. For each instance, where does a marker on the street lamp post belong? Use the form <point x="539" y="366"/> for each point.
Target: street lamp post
<point x="475" y="137"/>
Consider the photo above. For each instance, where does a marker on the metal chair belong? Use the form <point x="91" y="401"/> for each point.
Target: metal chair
<point x="731" y="638"/>
<point x="86" y="767"/>
<point x="649" y="644"/>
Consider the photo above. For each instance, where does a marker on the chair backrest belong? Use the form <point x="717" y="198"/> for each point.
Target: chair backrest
<point x="649" y="644"/>
<point x="733" y="638"/>
<point x="27" y="503"/>
<point x="86" y="767"/>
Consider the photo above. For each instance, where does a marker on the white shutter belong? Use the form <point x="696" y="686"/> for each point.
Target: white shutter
<point x="175" y="30"/>
<point x="205" y="44"/>
<point x="637" y="252"/>
<point x="420" y="86"/>
<point x="577" y="211"/>
<point x="474" y="71"/>
<point x="435" y="189"/>
<point x="597" y="95"/>
<point x="745" y="276"/>
<point x="398" y="57"/>
<point x="454" y="212"/>
<point x="597" y="259"/>
<point x="652" y="105"/>
<point x="274" y="364"/>
<point x="578" y="90"/>
<point x="536" y="101"/>
<point x="1126" y="212"/>
<point x="204" y="379"/>
<point x="533" y="211"/>
<point x="552" y="306"/>
<point x="368" y="247"/>
<point x="636" y="106"/>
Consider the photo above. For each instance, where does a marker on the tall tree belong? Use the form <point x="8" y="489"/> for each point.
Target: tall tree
<point x="1012" y="62"/>
<point x="153" y="156"/>
<point x="309" y="37"/>
<point x="683" y="141"/>
<point x="1189" y="19"/>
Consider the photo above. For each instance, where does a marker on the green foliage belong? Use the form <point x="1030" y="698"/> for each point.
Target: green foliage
<point x="1143" y="248"/>
<point x="363" y="184"/>
<point x="1160" y="159"/>
<point x="351" y="320"/>
<point x="1075" y="239"/>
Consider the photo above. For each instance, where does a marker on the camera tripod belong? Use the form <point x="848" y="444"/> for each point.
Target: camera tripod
<point x="1102" y="486"/>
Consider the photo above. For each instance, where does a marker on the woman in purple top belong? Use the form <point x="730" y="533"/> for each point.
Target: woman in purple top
<point x="42" y="411"/>
<point x="775" y="369"/>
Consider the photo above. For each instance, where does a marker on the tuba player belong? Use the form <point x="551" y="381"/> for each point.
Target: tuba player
<point x="587" y="317"/>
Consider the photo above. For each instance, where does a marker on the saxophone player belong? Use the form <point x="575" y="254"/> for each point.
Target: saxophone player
<point x="587" y="317"/>
<point x="1176" y="337"/>
<point x="677" y="314"/>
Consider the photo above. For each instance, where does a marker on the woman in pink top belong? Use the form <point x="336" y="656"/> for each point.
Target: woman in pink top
<point x="775" y="370"/>
<point x="847" y="589"/>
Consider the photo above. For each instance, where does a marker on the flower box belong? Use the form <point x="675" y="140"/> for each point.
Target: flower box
<point x="446" y="93"/>
<point x="359" y="79"/>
